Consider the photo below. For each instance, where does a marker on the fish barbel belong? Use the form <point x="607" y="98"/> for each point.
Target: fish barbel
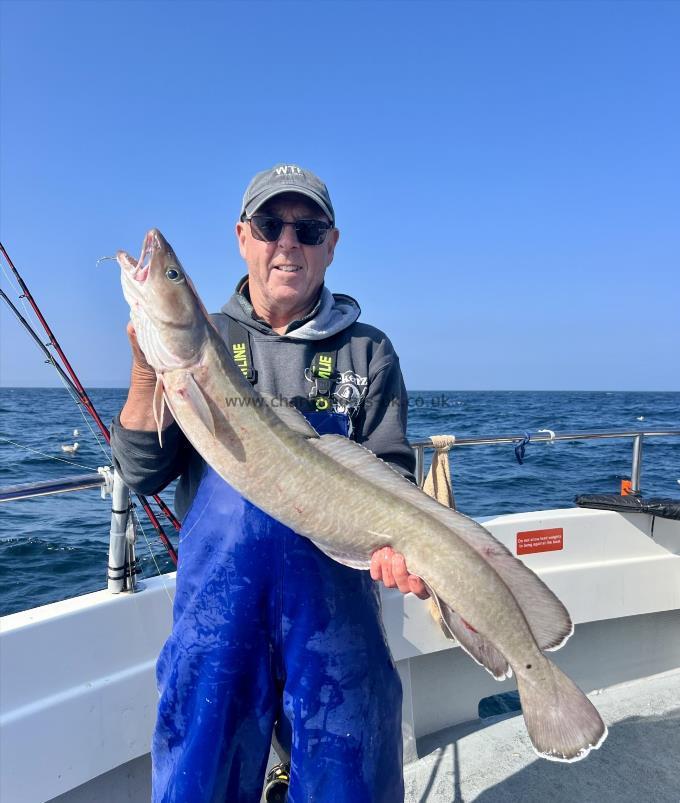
<point x="500" y="612"/>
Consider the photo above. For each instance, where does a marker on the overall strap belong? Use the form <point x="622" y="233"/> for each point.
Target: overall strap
<point x="240" y="348"/>
<point x="322" y="374"/>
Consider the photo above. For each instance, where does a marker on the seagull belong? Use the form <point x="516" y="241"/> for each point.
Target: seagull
<point x="70" y="449"/>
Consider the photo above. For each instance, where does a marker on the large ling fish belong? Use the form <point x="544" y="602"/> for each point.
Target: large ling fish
<point x="497" y="609"/>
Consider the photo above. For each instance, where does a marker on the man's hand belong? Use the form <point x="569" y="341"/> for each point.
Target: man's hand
<point x="137" y="413"/>
<point x="139" y="362"/>
<point x="390" y="567"/>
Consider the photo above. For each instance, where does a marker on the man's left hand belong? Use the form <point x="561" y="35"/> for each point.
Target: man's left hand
<point x="390" y="567"/>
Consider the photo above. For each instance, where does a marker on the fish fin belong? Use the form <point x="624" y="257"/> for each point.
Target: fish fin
<point x="290" y="416"/>
<point x="159" y="408"/>
<point x="347" y="559"/>
<point x="563" y="724"/>
<point x="547" y="617"/>
<point x="475" y="645"/>
<point x="184" y="395"/>
<point x="193" y="395"/>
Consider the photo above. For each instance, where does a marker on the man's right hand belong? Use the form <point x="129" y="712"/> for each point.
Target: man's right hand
<point x="137" y="412"/>
<point x="390" y="567"/>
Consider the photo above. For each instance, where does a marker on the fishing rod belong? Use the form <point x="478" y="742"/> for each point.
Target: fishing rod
<point x="27" y="326"/>
<point x="71" y="379"/>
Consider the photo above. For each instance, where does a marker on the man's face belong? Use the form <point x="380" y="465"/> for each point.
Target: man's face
<point x="284" y="275"/>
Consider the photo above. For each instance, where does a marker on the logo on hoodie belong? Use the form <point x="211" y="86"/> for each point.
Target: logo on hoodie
<point x="349" y="393"/>
<point x="333" y="391"/>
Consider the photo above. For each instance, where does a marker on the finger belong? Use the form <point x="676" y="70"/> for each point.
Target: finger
<point x="400" y="572"/>
<point x="376" y="565"/>
<point x="418" y="587"/>
<point x="137" y="354"/>
<point x="386" y="560"/>
<point x="132" y="336"/>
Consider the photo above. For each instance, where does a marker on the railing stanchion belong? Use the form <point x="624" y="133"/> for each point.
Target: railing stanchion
<point x="637" y="465"/>
<point x="118" y="546"/>
<point x="420" y="464"/>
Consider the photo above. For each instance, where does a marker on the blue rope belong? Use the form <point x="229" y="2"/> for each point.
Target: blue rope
<point x="521" y="448"/>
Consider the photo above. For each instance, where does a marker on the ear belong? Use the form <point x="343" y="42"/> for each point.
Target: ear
<point x="331" y="240"/>
<point x="241" y="236"/>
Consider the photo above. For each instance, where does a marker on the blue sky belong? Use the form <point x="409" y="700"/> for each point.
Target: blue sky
<point x="505" y="175"/>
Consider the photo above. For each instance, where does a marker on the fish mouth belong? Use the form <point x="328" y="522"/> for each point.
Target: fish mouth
<point x="150" y="247"/>
<point x="138" y="269"/>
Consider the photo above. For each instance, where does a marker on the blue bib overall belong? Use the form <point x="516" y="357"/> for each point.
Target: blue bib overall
<point x="268" y="629"/>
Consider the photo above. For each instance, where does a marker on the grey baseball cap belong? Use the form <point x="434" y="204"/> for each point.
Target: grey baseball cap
<point x="286" y="178"/>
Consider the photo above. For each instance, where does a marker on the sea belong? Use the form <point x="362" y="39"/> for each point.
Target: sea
<point x="52" y="548"/>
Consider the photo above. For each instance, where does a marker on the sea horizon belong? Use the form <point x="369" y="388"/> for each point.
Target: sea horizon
<point x="410" y="390"/>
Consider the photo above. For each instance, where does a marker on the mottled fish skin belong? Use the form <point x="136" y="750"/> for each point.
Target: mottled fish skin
<point x="310" y="483"/>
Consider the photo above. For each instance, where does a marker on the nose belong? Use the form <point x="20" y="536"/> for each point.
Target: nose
<point x="288" y="237"/>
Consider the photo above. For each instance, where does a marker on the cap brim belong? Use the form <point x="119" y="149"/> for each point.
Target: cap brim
<point x="256" y="203"/>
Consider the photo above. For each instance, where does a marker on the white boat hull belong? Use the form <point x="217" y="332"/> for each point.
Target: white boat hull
<point x="78" y="698"/>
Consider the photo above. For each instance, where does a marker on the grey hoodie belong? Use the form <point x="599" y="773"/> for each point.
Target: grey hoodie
<point x="367" y="386"/>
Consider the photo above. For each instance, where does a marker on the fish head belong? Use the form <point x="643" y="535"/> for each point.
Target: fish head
<point x="169" y="319"/>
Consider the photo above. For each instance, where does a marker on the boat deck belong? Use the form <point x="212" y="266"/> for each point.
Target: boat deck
<point x="495" y="763"/>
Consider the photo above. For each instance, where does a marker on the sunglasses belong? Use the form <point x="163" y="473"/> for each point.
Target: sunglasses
<point x="267" y="228"/>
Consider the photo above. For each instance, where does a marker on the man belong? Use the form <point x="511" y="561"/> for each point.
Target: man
<point x="267" y="629"/>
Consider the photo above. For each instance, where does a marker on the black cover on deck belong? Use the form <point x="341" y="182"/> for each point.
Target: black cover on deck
<point x="665" y="508"/>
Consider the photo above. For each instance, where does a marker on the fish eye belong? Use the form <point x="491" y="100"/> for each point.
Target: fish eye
<point x="173" y="274"/>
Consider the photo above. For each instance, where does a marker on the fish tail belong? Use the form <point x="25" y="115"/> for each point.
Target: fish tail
<point x="563" y="724"/>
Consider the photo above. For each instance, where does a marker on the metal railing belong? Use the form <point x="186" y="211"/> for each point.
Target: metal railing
<point x="85" y="481"/>
<point x="637" y="437"/>
<point x="82" y="482"/>
<point x="122" y="565"/>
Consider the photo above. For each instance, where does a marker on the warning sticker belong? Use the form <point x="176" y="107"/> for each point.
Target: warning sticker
<point x="540" y="541"/>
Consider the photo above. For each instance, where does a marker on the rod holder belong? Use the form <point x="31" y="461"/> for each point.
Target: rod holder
<point x="121" y="566"/>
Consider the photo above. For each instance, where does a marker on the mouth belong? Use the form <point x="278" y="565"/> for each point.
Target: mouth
<point x="138" y="270"/>
<point x="287" y="268"/>
<point x="149" y="248"/>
